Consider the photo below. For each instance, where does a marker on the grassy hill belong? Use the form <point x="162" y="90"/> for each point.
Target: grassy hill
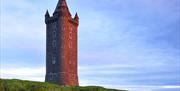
<point x="21" y="85"/>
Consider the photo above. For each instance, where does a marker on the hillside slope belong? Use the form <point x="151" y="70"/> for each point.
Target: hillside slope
<point x="21" y="85"/>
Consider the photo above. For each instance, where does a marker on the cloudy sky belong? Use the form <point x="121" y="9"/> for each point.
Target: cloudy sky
<point x="127" y="44"/>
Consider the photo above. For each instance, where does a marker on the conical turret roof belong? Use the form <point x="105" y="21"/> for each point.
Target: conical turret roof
<point x="76" y="17"/>
<point x="47" y="13"/>
<point x="62" y="7"/>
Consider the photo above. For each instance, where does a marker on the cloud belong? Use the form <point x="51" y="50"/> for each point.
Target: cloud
<point x="149" y="87"/>
<point x="22" y="36"/>
<point x="130" y="74"/>
<point x="25" y="73"/>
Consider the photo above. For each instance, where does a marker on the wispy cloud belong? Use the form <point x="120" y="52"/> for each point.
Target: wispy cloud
<point x="25" y="73"/>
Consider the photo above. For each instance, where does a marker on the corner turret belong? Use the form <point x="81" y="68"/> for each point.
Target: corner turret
<point x="47" y="16"/>
<point x="76" y="17"/>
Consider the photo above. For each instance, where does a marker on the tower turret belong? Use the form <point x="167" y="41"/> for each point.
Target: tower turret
<point x="76" y="17"/>
<point x="47" y="16"/>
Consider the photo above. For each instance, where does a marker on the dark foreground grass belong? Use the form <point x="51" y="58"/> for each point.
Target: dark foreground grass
<point x="21" y="85"/>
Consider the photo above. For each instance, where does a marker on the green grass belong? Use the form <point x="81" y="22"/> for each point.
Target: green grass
<point x="22" y="85"/>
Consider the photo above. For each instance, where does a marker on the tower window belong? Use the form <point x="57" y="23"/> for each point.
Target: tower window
<point x="54" y="43"/>
<point x="64" y="28"/>
<point x="62" y="37"/>
<point x="70" y="44"/>
<point x="70" y="28"/>
<point x="53" y="60"/>
<point x="70" y="35"/>
<point x="54" y="34"/>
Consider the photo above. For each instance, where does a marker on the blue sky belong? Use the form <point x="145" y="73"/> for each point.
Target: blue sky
<point x="128" y="44"/>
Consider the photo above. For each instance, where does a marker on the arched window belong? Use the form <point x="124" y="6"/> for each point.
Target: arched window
<point x="54" y="34"/>
<point x="54" y="43"/>
<point x="53" y="60"/>
<point x="70" y="44"/>
<point x="70" y="35"/>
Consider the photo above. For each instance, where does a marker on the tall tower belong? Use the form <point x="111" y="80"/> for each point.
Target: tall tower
<point x="61" y="46"/>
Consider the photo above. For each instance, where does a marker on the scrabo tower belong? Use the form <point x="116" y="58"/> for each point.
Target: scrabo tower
<point x="61" y="46"/>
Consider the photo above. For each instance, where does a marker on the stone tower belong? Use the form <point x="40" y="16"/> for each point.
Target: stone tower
<point x="61" y="46"/>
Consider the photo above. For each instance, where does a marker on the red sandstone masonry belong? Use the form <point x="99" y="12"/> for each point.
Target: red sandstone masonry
<point x="61" y="46"/>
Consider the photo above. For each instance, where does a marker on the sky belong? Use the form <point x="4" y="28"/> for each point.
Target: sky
<point x="123" y="44"/>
